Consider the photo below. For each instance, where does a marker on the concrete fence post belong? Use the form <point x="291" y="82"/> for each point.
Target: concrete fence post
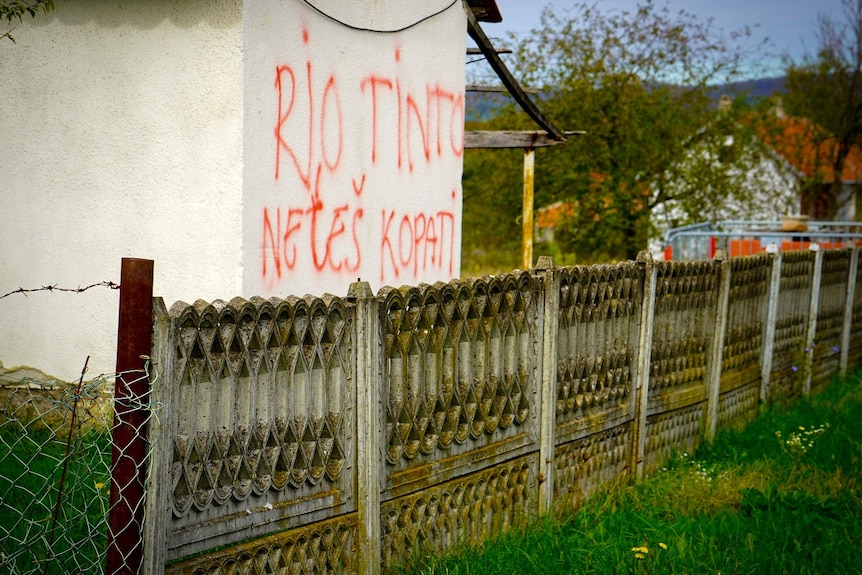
<point x="368" y="413"/>
<point x="157" y="507"/>
<point x="772" y="295"/>
<point x="848" y="310"/>
<point x="550" y="307"/>
<point x="128" y="435"/>
<point x="644" y="350"/>
<point x="713" y="376"/>
<point x="812" y="317"/>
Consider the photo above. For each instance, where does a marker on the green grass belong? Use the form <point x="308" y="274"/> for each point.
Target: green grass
<point x="753" y="502"/>
<point x="31" y="468"/>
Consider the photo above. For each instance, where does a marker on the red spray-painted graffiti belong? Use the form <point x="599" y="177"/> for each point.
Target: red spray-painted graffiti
<point x="418" y="242"/>
<point x="410" y="119"/>
<point x="337" y="249"/>
<point x="318" y="224"/>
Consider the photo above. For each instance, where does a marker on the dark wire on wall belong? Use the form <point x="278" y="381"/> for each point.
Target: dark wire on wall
<point x="362" y="29"/>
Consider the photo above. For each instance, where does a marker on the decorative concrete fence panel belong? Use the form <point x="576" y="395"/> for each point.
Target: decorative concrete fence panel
<point x="791" y="325"/>
<point x="743" y="339"/>
<point x="826" y="344"/>
<point x="461" y="376"/>
<point x="598" y="330"/>
<point x="684" y="327"/>
<point x="262" y="424"/>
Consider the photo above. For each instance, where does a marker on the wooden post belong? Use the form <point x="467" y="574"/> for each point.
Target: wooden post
<point x="368" y="413"/>
<point x="129" y="440"/>
<point x="527" y="216"/>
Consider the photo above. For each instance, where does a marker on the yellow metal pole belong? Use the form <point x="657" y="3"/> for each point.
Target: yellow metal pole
<point x="527" y="217"/>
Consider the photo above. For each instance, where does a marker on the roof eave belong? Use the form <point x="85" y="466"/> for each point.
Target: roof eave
<point x="485" y="10"/>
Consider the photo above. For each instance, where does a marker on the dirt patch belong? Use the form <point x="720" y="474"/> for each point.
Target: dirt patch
<point x="31" y="399"/>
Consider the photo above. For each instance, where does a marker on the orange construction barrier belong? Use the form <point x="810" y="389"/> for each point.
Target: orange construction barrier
<point x="831" y="245"/>
<point x="794" y="245"/>
<point x="744" y="247"/>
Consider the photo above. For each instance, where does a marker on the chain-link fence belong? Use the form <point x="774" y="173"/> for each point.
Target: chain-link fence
<point x="60" y="510"/>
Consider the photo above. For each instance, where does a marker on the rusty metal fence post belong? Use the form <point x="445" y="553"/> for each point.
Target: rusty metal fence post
<point x="129" y="445"/>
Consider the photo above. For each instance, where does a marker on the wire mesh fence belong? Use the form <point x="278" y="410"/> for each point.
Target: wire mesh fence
<point x="60" y="498"/>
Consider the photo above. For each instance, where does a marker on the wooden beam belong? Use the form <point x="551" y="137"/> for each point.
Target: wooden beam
<point x="477" y="52"/>
<point x="478" y="35"/>
<point x="512" y="139"/>
<point x="498" y="89"/>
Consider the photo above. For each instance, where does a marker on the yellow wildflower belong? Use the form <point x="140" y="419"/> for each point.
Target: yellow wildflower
<point x="662" y="545"/>
<point x="639" y="555"/>
<point x="640" y="550"/>
<point x="99" y="485"/>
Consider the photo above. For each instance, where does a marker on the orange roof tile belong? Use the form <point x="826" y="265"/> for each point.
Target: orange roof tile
<point x="810" y="150"/>
<point x="551" y="216"/>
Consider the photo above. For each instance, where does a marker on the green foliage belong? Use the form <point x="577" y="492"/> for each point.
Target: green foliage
<point x="744" y="504"/>
<point x="491" y="229"/>
<point x="17" y="9"/>
<point x="827" y="88"/>
<point x="640" y="84"/>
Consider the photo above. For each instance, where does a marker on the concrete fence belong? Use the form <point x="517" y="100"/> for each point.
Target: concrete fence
<point x="340" y="434"/>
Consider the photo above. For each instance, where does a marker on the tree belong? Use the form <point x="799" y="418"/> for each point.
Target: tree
<point x="640" y="84"/>
<point x="827" y="89"/>
<point x="11" y="11"/>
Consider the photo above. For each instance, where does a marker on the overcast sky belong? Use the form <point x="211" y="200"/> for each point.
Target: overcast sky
<point x="790" y="25"/>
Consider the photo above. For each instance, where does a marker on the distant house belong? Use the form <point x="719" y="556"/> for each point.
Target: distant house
<point x="548" y="218"/>
<point x="809" y="151"/>
<point x="790" y="171"/>
<point x="767" y="190"/>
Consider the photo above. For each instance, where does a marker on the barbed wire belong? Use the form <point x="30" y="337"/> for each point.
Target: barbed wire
<point x="54" y="288"/>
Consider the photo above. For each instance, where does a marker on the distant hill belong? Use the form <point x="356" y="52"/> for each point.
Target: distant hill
<point x="755" y="89"/>
<point x="483" y="106"/>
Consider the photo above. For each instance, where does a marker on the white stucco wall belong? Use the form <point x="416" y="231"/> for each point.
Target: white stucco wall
<point x="121" y="136"/>
<point x="353" y="143"/>
<point x="264" y="147"/>
<point x="767" y="190"/>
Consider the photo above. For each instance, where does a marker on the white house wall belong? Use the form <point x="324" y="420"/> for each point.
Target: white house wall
<point x="121" y="131"/>
<point x="768" y="190"/>
<point x="353" y="143"/>
<point x="266" y="147"/>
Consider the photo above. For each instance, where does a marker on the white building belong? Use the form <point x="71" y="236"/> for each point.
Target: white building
<point x="249" y="147"/>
